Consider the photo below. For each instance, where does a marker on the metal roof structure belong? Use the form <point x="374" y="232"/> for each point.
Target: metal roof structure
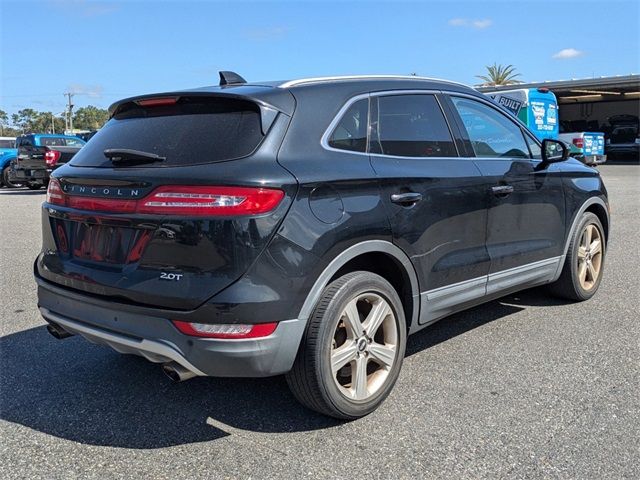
<point x="619" y="87"/>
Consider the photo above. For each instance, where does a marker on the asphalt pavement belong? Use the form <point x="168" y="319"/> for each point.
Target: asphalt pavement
<point x="524" y="387"/>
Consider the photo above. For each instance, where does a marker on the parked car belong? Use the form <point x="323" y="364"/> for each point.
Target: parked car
<point x="86" y="136"/>
<point x="39" y="154"/>
<point x="307" y="227"/>
<point x="8" y="152"/>
<point x="623" y="141"/>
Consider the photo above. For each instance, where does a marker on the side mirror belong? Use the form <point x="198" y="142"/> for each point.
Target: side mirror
<point x="554" y="151"/>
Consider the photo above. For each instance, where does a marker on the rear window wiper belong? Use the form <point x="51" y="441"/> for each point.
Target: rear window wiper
<point x="126" y="155"/>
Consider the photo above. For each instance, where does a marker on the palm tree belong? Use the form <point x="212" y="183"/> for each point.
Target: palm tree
<point x="499" y="75"/>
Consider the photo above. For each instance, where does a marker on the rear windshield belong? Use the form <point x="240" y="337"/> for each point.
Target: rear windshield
<point x="190" y="132"/>
<point x="60" y="142"/>
<point x="7" y="143"/>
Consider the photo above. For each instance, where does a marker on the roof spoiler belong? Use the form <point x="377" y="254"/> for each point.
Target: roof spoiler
<point x="230" y="78"/>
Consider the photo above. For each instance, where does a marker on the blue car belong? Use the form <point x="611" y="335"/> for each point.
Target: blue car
<point x="8" y="152"/>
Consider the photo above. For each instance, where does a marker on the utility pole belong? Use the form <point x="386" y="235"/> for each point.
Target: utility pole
<point x="69" y="96"/>
<point x="53" y="125"/>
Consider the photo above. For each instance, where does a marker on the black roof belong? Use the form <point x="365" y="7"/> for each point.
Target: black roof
<point x="278" y="94"/>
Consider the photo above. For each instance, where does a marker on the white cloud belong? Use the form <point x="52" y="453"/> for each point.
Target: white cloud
<point x="91" y="91"/>
<point x="458" y="22"/>
<point x="485" y="23"/>
<point x="478" y="23"/>
<point x="568" y="53"/>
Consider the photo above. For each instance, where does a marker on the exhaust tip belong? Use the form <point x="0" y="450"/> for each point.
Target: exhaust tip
<point x="57" y="331"/>
<point x="176" y="372"/>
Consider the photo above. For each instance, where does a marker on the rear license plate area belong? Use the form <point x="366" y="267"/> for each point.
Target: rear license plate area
<point x="99" y="243"/>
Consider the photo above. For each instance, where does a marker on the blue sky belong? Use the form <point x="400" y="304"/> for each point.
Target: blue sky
<point x="104" y="51"/>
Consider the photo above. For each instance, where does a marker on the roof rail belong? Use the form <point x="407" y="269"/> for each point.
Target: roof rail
<point x="304" y="81"/>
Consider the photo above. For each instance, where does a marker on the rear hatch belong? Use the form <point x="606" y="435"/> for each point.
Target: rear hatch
<point x="180" y="218"/>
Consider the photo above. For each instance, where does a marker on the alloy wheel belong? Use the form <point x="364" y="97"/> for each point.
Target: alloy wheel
<point x="590" y="254"/>
<point x="364" y="346"/>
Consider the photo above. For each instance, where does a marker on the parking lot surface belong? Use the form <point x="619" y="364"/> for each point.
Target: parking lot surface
<point x="524" y="387"/>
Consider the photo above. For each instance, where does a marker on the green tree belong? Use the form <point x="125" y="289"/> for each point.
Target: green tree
<point x="90" y="118"/>
<point x="29" y="120"/>
<point x="24" y="119"/>
<point x="4" y="119"/>
<point x="499" y="75"/>
<point x="48" y="122"/>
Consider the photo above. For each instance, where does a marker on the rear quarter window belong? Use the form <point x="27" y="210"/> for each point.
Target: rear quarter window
<point x="190" y="132"/>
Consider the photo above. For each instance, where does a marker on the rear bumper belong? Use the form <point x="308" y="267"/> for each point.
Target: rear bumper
<point x="623" y="149"/>
<point x="28" y="175"/>
<point x="156" y="339"/>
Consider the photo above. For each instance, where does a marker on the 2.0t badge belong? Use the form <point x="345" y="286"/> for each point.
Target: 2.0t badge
<point x="170" y="276"/>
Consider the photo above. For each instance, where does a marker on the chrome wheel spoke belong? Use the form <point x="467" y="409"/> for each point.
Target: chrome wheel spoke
<point x="375" y="318"/>
<point x="587" y="236"/>
<point x="352" y="320"/>
<point x="592" y="271"/>
<point x="582" y="271"/>
<point x="595" y="247"/>
<point x="582" y="252"/>
<point x="383" y="354"/>
<point x="359" y="379"/>
<point x="342" y="355"/>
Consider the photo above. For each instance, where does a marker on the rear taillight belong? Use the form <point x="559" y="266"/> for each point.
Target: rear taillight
<point x="578" y="142"/>
<point x="229" y="331"/>
<point x="55" y="195"/>
<point x="210" y="201"/>
<point x="51" y="157"/>
<point x="191" y="201"/>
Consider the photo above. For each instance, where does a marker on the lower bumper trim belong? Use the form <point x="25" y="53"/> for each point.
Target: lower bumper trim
<point x="151" y="350"/>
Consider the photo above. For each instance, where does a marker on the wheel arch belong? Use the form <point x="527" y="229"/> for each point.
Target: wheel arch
<point x="598" y="207"/>
<point x="389" y="261"/>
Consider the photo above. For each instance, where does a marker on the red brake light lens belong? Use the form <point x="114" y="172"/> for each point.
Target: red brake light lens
<point x="157" y="102"/>
<point x="191" y="201"/>
<point x="51" y="157"/>
<point x="210" y="201"/>
<point x="55" y="195"/>
<point x="578" y="142"/>
<point x="228" y="331"/>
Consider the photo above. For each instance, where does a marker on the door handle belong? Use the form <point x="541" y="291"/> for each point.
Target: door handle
<point x="406" y="199"/>
<point x="502" y="190"/>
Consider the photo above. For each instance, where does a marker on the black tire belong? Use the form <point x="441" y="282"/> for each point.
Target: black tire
<point x="34" y="186"/>
<point x="5" y="179"/>
<point x="311" y="380"/>
<point x="568" y="284"/>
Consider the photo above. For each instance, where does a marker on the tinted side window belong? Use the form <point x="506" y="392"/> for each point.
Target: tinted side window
<point x="412" y="126"/>
<point x="351" y="132"/>
<point x="492" y="134"/>
<point x="536" y="151"/>
<point x="74" y="142"/>
<point x="52" y="142"/>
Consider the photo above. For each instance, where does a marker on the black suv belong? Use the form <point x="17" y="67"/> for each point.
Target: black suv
<point x="307" y="227"/>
